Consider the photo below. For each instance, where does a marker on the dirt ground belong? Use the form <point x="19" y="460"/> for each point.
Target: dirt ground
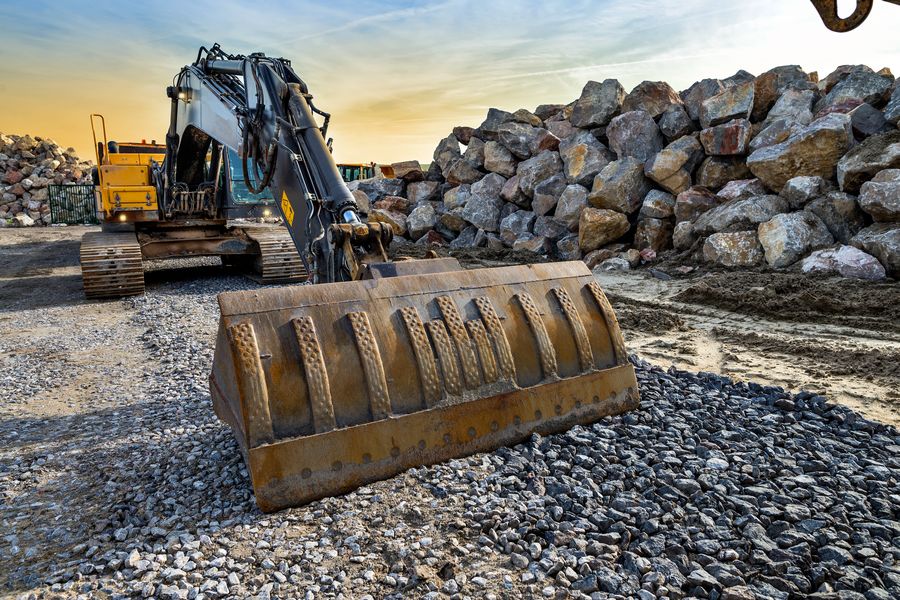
<point x="837" y="337"/>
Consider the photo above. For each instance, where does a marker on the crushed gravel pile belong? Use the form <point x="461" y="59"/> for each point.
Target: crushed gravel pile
<point x="711" y="490"/>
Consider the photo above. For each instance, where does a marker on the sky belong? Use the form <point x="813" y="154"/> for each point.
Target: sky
<point x="398" y="75"/>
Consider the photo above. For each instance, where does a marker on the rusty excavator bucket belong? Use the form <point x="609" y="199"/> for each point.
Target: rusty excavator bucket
<point x="331" y="386"/>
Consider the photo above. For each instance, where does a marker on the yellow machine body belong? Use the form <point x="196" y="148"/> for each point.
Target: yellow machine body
<point x="125" y="191"/>
<point x="330" y="386"/>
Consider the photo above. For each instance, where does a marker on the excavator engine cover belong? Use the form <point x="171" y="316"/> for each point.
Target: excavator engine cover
<point x="331" y="386"/>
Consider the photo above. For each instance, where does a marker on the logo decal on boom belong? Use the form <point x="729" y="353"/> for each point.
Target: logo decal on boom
<point x="286" y="209"/>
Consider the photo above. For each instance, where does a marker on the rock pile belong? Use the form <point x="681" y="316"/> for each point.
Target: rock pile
<point x="739" y="172"/>
<point x="27" y="166"/>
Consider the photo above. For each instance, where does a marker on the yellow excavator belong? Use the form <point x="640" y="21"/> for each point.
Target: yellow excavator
<point x="375" y="366"/>
<point x="209" y="212"/>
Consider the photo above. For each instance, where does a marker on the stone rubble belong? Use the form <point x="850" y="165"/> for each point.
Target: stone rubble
<point x="783" y="133"/>
<point x="711" y="489"/>
<point x="27" y="166"/>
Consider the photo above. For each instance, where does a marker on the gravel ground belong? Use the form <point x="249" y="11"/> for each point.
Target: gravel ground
<point x="711" y="490"/>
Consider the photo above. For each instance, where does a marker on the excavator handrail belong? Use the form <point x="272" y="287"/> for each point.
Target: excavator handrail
<point x="105" y="140"/>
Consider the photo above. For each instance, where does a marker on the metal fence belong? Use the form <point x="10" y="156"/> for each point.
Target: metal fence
<point x="73" y="205"/>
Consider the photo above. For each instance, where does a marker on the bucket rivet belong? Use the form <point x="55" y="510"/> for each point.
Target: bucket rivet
<point x="596" y="398"/>
<point x="447" y="438"/>
<point x="517" y="420"/>
<point x="495" y="426"/>
<point x="367" y="458"/>
<point x="305" y="473"/>
<point x="395" y="451"/>
<point x="471" y="432"/>
<point x="538" y="414"/>
<point x="421" y="444"/>
<point x="337" y="465"/>
<point x="557" y="409"/>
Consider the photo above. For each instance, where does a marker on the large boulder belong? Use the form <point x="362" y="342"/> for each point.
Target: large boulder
<point x="880" y="197"/>
<point x="512" y="193"/>
<point x="497" y="159"/>
<point x="866" y="121"/>
<point x="773" y="84"/>
<point x="550" y="228"/>
<point x="456" y="197"/>
<point x="421" y="220"/>
<point x="846" y="261"/>
<point x="491" y="185"/>
<point x="655" y="97"/>
<point x="408" y="170"/>
<point x="861" y="163"/>
<point x="655" y="234"/>
<point x="742" y="188"/>
<point x="676" y="123"/>
<point x="474" y="154"/>
<point x="524" y="141"/>
<point x="672" y="167"/>
<point x="598" y="227"/>
<point x="583" y="157"/>
<point x="422" y="191"/>
<point x="775" y="132"/>
<point x="396" y="220"/>
<point x="860" y="86"/>
<point x="692" y="203"/>
<point x="841" y="214"/>
<point x="376" y="189"/>
<point x="739" y="215"/>
<point x="620" y="186"/>
<point x="547" y="193"/>
<point x="736" y="102"/>
<point x="489" y="129"/>
<point x="515" y="225"/>
<point x="531" y="242"/>
<point x="882" y="240"/>
<point x="461" y="171"/>
<point x="567" y="248"/>
<point x="734" y="249"/>
<point x="800" y="190"/>
<point x="717" y="171"/>
<point x="658" y="205"/>
<point x="395" y="203"/>
<point x="727" y="139"/>
<point x="794" y="105"/>
<point x="635" y="134"/>
<point x="816" y="150"/>
<point x="572" y="201"/>
<point x="787" y="238"/>
<point x="483" y="212"/>
<point x="463" y="134"/>
<point x="536" y="169"/>
<point x="598" y="104"/>
<point x="562" y="129"/>
<point x="446" y="152"/>
<point x="892" y="110"/>
<point x="698" y="93"/>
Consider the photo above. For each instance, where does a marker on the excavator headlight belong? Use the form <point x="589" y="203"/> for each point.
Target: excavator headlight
<point x="123" y="217"/>
<point x="267" y="212"/>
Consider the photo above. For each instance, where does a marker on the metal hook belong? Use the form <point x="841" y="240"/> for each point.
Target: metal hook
<point x="828" y="10"/>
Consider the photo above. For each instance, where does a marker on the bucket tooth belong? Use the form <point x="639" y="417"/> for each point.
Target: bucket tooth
<point x="331" y="386"/>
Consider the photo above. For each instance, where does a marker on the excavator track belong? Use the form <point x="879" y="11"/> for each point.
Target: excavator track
<point x="111" y="265"/>
<point x="278" y="260"/>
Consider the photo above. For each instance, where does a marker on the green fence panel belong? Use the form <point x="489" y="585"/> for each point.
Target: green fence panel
<point x="73" y="205"/>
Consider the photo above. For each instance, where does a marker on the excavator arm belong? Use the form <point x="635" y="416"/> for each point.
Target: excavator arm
<point x="260" y="108"/>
